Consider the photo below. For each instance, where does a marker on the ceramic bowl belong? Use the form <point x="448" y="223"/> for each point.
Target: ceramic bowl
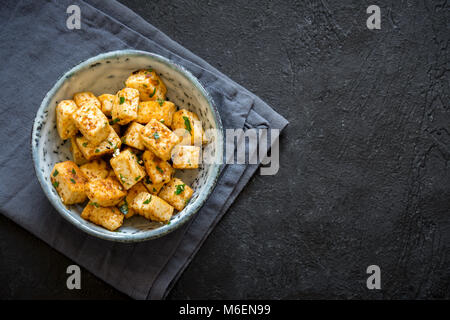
<point x="106" y="73"/>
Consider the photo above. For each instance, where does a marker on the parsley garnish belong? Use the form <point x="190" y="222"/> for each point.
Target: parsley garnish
<point x="162" y="120"/>
<point x="149" y="69"/>
<point x="160" y="101"/>
<point x="73" y="181"/>
<point x="148" y="181"/>
<point x="154" y="189"/>
<point x="85" y="144"/>
<point x="124" y="208"/>
<point x="112" y="122"/>
<point x="187" y="124"/>
<point x="73" y="171"/>
<point x="180" y="188"/>
<point x="95" y="204"/>
<point x="56" y="184"/>
<point x="156" y="135"/>
<point x="97" y="150"/>
<point x="148" y="200"/>
<point x="154" y="91"/>
<point x="159" y="169"/>
<point x="55" y="173"/>
<point x="122" y="100"/>
<point x="137" y="178"/>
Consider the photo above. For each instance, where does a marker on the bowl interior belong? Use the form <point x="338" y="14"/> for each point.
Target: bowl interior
<point x="106" y="74"/>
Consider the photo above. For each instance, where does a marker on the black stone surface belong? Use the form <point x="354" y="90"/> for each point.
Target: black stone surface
<point x="364" y="175"/>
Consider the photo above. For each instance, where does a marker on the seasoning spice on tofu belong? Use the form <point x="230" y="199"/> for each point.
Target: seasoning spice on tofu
<point x="69" y="181"/>
<point x="108" y="146"/>
<point x="92" y="123"/>
<point x="159" y="139"/>
<point x="149" y="84"/>
<point x="87" y="97"/>
<point x="106" y="101"/>
<point x="125" y="106"/>
<point x="159" y="110"/>
<point x="64" y="119"/>
<point x="125" y="205"/>
<point x="127" y="169"/>
<point x="108" y="217"/>
<point x="105" y="192"/>
<point x="185" y="157"/>
<point x="132" y="136"/>
<point x="152" y="207"/>
<point x="158" y="170"/>
<point x="96" y="169"/>
<point x="177" y="193"/>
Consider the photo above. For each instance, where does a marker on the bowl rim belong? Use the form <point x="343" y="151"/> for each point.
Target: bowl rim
<point x="148" y="234"/>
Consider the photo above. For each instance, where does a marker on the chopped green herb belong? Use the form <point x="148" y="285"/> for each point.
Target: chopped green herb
<point x="186" y="201"/>
<point x="137" y="178"/>
<point x="55" y="173"/>
<point x="149" y="69"/>
<point x="124" y="208"/>
<point x="145" y="86"/>
<point x="97" y="150"/>
<point x="162" y="120"/>
<point x="95" y="204"/>
<point x="148" y="200"/>
<point x="180" y="188"/>
<point x="56" y="184"/>
<point x="168" y="223"/>
<point x="159" y="169"/>
<point x="148" y="181"/>
<point x="156" y="135"/>
<point x="160" y="101"/>
<point x="154" y="189"/>
<point x="154" y="91"/>
<point x="73" y="171"/>
<point x="85" y="144"/>
<point x="187" y="124"/>
<point x="73" y="181"/>
<point x="122" y="177"/>
<point x="122" y="100"/>
<point x="112" y="122"/>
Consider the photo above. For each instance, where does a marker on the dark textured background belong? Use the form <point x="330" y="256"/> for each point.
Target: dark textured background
<point x="364" y="177"/>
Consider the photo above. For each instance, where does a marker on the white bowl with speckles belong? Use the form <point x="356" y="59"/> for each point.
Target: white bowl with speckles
<point x="106" y="73"/>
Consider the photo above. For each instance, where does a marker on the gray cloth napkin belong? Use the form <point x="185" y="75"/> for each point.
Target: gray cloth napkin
<point x="36" y="49"/>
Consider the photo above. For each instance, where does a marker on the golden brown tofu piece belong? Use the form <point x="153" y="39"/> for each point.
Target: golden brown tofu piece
<point x="105" y="192"/>
<point x="96" y="169"/>
<point x="152" y="207"/>
<point x="77" y="155"/>
<point x="107" y="101"/>
<point x="107" y="217"/>
<point x="127" y="169"/>
<point x="125" y="204"/>
<point x="132" y="136"/>
<point x="159" y="139"/>
<point x="149" y="84"/>
<point x="69" y="181"/>
<point x="92" y="123"/>
<point x="84" y="98"/>
<point x="159" y="171"/>
<point x="188" y="127"/>
<point x="177" y="193"/>
<point x="153" y="188"/>
<point x="107" y="146"/>
<point x="185" y="157"/>
<point x="125" y="106"/>
<point x="64" y="119"/>
<point x="160" y="110"/>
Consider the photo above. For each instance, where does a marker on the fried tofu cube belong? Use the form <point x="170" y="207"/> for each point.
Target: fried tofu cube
<point x="92" y="123"/>
<point x="188" y="127"/>
<point x="64" y="119"/>
<point x="125" y="204"/>
<point x="158" y="170"/>
<point x="106" y="101"/>
<point x="132" y="136"/>
<point x="152" y="207"/>
<point x="77" y="155"/>
<point x="84" y="98"/>
<point x="105" y="192"/>
<point x="107" y="146"/>
<point x="110" y="217"/>
<point x="185" y="157"/>
<point x="149" y="84"/>
<point x="125" y="106"/>
<point x="96" y="169"/>
<point x="127" y="168"/>
<point x="162" y="111"/>
<point x="69" y="181"/>
<point x="159" y="139"/>
<point x="153" y="188"/>
<point x="177" y="193"/>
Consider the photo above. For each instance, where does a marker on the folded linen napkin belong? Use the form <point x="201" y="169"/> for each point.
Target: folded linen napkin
<point x="37" y="49"/>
